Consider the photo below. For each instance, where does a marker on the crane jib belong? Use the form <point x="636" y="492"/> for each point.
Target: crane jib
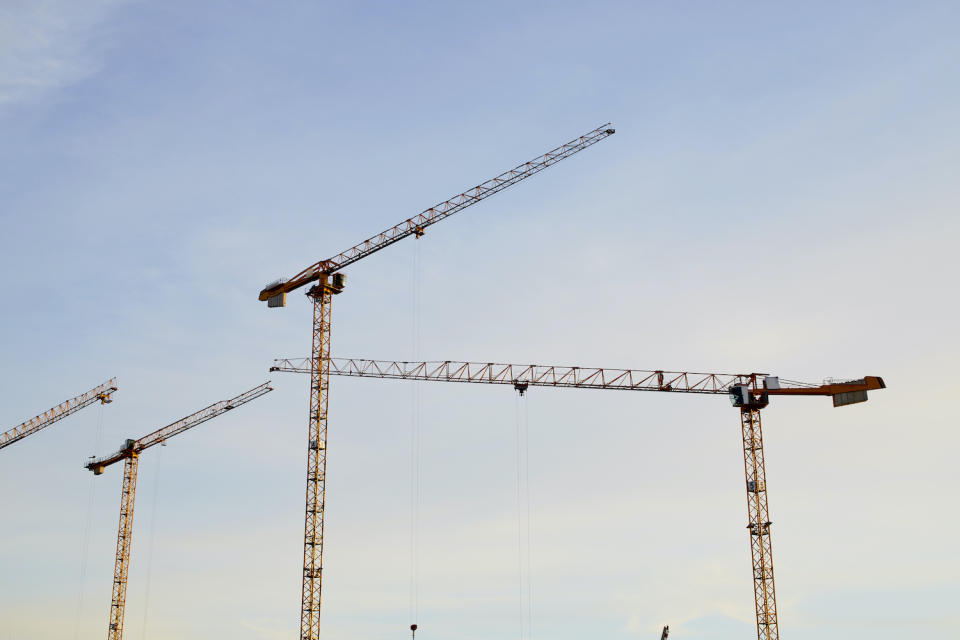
<point x="102" y="393"/>
<point x="274" y="292"/>
<point x="134" y="447"/>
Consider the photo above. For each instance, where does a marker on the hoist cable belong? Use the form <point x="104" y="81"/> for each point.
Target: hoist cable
<point x="526" y="421"/>
<point x="84" y="552"/>
<point x="415" y="445"/>
<point x="524" y="535"/>
<point x="519" y="517"/>
<point x="153" y="528"/>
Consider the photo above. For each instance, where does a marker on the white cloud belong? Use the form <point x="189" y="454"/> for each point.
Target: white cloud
<point x="46" y="45"/>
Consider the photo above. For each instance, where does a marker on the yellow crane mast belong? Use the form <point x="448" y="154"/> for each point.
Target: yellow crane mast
<point x="329" y="281"/>
<point x="102" y="393"/>
<point x="130" y="454"/>
<point x="749" y="392"/>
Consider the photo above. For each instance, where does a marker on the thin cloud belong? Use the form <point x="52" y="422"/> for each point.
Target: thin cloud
<point x="47" y="45"/>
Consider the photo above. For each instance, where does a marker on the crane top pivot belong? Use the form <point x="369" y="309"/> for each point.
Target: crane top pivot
<point x="275" y="293"/>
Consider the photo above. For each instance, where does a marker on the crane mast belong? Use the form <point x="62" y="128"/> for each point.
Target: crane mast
<point x="316" y="463"/>
<point x="758" y="515"/>
<point x="102" y="393"/>
<point x="130" y="454"/>
<point x="748" y="391"/>
<point x="329" y="282"/>
<point x="121" y="562"/>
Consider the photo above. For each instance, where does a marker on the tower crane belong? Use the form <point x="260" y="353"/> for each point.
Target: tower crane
<point x="329" y="280"/>
<point x="130" y="454"/>
<point x="102" y="393"/>
<point x="750" y="392"/>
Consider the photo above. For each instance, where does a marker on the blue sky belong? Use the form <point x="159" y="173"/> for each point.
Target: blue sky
<point x="780" y="196"/>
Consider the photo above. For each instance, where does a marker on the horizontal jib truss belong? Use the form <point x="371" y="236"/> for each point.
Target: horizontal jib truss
<point x="532" y="375"/>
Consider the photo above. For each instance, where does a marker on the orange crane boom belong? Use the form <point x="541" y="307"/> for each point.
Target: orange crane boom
<point x="130" y="454"/>
<point x="102" y="393"/>
<point x="748" y="391"/>
<point x="331" y="281"/>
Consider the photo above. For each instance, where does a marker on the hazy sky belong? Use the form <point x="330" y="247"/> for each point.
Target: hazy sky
<point x="780" y="196"/>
